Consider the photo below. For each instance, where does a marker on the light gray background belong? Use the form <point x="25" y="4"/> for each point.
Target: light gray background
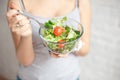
<point x="8" y="62"/>
<point x="103" y="60"/>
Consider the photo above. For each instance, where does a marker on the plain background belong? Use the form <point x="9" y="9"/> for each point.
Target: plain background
<point x="8" y="62"/>
<point x="103" y="60"/>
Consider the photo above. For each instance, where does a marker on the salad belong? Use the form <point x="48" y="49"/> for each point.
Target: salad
<point x="59" y="37"/>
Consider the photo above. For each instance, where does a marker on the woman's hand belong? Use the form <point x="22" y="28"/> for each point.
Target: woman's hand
<point x="58" y="55"/>
<point x="21" y="33"/>
<point x="18" y="23"/>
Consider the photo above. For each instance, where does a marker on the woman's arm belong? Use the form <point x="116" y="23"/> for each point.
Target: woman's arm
<point x="85" y="18"/>
<point x="22" y="39"/>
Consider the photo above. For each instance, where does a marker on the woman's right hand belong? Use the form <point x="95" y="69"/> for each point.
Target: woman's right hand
<point x="18" y="23"/>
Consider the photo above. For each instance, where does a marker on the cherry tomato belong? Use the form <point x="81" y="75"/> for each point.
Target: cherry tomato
<point x="58" y="30"/>
<point x="61" y="45"/>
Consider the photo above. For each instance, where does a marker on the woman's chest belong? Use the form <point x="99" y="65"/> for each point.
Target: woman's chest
<point x="52" y="8"/>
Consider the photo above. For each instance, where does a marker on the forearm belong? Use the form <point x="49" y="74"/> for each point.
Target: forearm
<point x="24" y="51"/>
<point x="85" y="17"/>
<point x="21" y="33"/>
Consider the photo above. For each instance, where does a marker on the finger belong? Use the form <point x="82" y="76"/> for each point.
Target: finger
<point x="54" y="55"/>
<point x="13" y="5"/>
<point x="62" y="55"/>
<point x="11" y="14"/>
<point x="25" y="28"/>
<point x="24" y="24"/>
<point x="18" y="18"/>
<point x="22" y="19"/>
<point x="21" y="29"/>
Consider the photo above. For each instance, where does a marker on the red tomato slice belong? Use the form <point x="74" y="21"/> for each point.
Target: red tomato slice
<point x="58" y="30"/>
<point x="61" y="45"/>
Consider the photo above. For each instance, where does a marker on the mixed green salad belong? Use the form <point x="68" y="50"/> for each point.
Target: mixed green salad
<point x="59" y="36"/>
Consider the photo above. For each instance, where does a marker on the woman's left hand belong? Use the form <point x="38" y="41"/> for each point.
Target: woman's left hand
<point x="58" y="55"/>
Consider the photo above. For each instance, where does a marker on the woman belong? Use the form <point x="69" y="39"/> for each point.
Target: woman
<point x="35" y="61"/>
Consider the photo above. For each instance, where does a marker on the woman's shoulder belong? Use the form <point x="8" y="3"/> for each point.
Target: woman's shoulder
<point x="26" y="3"/>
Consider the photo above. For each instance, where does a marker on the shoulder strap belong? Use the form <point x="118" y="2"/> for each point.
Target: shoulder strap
<point x="22" y="5"/>
<point x="77" y="3"/>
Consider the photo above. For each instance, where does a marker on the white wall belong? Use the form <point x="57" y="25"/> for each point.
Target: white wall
<point x="103" y="61"/>
<point x="8" y="62"/>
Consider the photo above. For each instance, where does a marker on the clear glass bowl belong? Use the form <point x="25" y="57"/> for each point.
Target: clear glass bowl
<point x="66" y="47"/>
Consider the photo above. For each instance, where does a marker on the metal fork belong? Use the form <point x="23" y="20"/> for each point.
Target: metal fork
<point x="22" y="13"/>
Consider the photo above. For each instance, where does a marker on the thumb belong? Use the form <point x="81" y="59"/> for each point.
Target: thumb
<point x="12" y="5"/>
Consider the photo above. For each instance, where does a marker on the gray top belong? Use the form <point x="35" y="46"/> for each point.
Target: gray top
<point x="44" y="66"/>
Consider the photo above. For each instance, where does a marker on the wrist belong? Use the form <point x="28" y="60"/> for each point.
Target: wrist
<point x="26" y="38"/>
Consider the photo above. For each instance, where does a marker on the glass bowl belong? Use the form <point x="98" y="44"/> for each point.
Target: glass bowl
<point x="63" y="47"/>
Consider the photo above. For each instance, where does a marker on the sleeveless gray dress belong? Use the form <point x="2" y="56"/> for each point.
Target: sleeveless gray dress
<point x="45" y="67"/>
